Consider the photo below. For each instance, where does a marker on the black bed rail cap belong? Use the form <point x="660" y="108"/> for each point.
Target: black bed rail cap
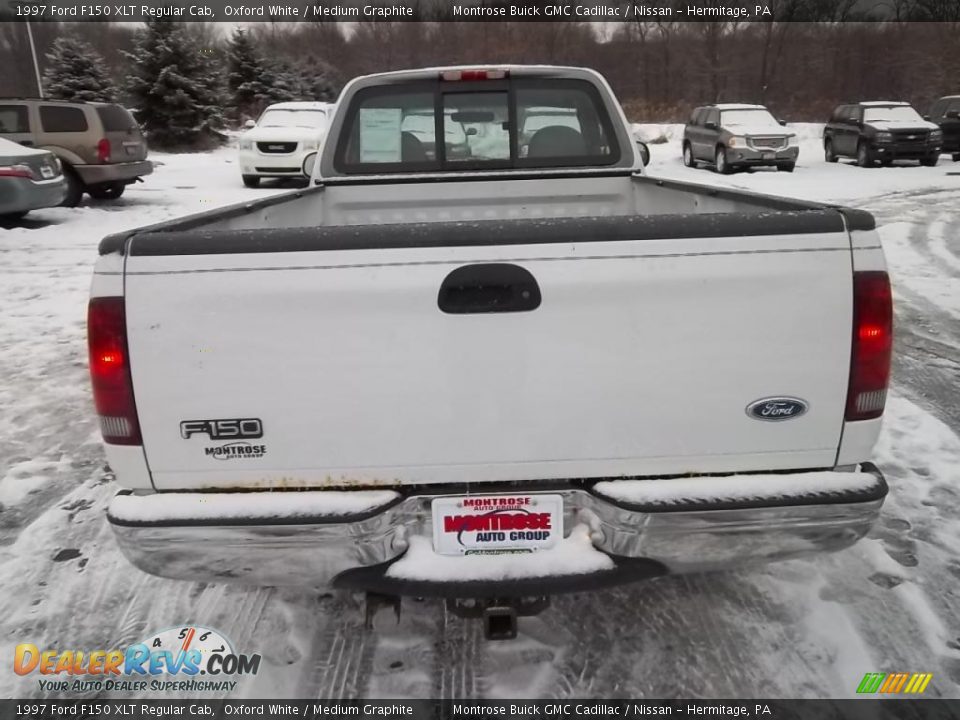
<point x="857" y="219"/>
<point x="572" y="230"/>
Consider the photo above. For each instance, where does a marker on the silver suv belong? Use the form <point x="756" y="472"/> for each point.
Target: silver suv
<point x="732" y="136"/>
<point x="99" y="144"/>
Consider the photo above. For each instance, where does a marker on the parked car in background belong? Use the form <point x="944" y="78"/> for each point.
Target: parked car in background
<point x="946" y="114"/>
<point x="881" y="131"/>
<point x="275" y="145"/>
<point x="99" y="145"/>
<point x="29" y="179"/>
<point x="734" y="136"/>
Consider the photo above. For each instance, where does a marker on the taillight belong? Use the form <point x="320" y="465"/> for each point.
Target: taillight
<point x="110" y="371"/>
<point x="471" y="75"/>
<point x="103" y="151"/>
<point x="16" y="171"/>
<point x="872" y="345"/>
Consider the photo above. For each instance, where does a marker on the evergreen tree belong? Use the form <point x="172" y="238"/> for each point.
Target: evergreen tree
<point x="247" y="79"/>
<point x="175" y="88"/>
<point x="318" y="80"/>
<point x="75" y="72"/>
<point x="282" y="81"/>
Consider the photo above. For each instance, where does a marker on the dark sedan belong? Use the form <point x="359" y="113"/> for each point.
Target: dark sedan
<point x="29" y="179"/>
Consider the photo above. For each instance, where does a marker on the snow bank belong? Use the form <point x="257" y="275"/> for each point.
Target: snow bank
<point x="733" y="487"/>
<point x="652" y="132"/>
<point x="224" y="507"/>
<point x="574" y="555"/>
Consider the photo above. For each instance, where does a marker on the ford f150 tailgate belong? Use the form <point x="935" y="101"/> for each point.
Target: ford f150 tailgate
<point x="495" y="350"/>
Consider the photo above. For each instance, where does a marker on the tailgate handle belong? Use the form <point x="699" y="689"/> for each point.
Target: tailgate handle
<point x="488" y="288"/>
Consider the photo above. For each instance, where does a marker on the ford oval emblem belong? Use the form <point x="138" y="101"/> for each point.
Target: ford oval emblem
<point x="776" y="409"/>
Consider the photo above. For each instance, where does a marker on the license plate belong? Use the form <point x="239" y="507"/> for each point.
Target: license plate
<point x="769" y="156"/>
<point x="47" y="172"/>
<point x="490" y="524"/>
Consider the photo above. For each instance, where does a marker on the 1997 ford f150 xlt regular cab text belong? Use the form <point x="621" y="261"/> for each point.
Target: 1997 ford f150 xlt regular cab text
<point x="470" y="364"/>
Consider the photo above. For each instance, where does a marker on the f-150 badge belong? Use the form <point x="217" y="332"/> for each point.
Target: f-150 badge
<point x="775" y="409"/>
<point x="228" y="429"/>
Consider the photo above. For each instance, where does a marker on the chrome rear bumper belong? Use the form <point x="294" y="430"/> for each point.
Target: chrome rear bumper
<point x="162" y="535"/>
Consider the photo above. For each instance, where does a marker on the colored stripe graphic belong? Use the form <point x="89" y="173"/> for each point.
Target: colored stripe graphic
<point x="871" y="682"/>
<point x="893" y="683"/>
<point x="914" y="683"/>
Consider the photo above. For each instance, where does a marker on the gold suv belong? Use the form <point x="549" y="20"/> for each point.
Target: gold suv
<point x="99" y="144"/>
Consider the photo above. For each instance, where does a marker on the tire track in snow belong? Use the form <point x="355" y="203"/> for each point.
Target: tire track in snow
<point x="946" y="227"/>
<point x="926" y="358"/>
<point x="926" y="234"/>
<point x="460" y="658"/>
<point x="342" y="653"/>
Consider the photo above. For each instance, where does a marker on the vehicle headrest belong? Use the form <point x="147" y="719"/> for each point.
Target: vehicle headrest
<point x="556" y="141"/>
<point x="411" y="149"/>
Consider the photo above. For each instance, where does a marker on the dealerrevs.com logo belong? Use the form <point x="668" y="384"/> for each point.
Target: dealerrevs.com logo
<point x="184" y="659"/>
<point x="236" y="451"/>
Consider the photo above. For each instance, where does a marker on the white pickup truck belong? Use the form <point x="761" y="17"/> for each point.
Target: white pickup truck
<point x="490" y="368"/>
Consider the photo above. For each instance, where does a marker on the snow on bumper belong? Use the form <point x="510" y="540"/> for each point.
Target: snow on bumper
<point x="618" y="531"/>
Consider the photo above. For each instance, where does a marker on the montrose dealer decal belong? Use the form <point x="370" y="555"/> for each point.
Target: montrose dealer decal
<point x="236" y="451"/>
<point x="496" y="523"/>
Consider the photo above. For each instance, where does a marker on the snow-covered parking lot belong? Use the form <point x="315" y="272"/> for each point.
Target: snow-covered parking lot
<point x="805" y="628"/>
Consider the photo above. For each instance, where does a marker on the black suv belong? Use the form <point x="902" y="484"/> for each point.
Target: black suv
<point x="881" y="132"/>
<point x="946" y="113"/>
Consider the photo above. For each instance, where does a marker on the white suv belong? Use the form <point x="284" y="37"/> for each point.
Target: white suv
<point x="276" y="145"/>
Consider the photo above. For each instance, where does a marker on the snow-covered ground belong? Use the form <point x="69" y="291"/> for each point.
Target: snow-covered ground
<point x="806" y="628"/>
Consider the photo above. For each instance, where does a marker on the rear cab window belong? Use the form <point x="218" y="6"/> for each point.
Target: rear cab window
<point x="62" y="118"/>
<point x="493" y="124"/>
<point x="14" y="119"/>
